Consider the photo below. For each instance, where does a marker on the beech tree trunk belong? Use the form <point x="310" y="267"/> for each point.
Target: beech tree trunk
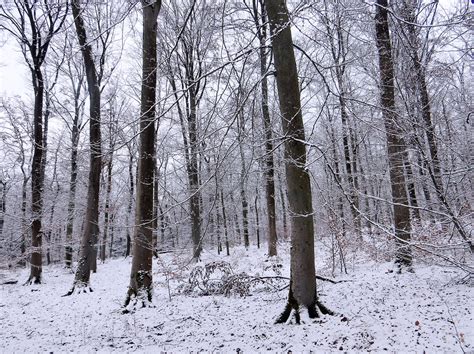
<point x="131" y="192"/>
<point x="395" y="142"/>
<point x="260" y="20"/>
<point x="75" y="132"/>
<point x="37" y="180"/>
<point x="3" y="198"/>
<point x="107" y="208"/>
<point x="141" y="282"/>
<point x="87" y="255"/>
<point x="303" y="278"/>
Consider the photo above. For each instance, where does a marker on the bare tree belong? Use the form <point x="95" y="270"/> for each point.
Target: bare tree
<point x="34" y="27"/>
<point x="74" y="71"/>
<point x="91" y="226"/>
<point x="260" y="19"/>
<point x="395" y="143"/>
<point x="141" y="284"/>
<point x="302" y="290"/>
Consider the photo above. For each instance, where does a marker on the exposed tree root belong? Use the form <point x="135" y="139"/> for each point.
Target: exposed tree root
<point x="33" y="280"/>
<point x="404" y="265"/>
<point x="137" y="299"/>
<point x="79" y="288"/>
<point x="315" y="310"/>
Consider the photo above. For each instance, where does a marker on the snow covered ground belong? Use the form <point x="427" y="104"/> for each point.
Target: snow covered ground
<point x="377" y="310"/>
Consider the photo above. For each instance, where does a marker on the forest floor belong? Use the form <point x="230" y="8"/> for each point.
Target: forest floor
<point x="377" y="310"/>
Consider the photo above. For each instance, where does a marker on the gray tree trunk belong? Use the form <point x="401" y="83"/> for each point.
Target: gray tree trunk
<point x="395" y="142"/>
<point x="260" y="20"/>
<point x="303" y="278"/>
<point x="141" y="281"/>
<point x="75" y="132"/>
<point x="90" y="233"/>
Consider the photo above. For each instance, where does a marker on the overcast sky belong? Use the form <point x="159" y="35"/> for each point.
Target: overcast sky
<point x="14" y="78"/>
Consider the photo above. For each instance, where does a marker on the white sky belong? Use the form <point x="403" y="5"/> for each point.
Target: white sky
<point x="14" y="76"/>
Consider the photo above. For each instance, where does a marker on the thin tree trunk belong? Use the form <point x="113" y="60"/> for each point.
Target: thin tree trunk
<point x="337" y="176"/>
<point x="130" y="202"/>
<point x="224" y="218"/>
<point x="107" y="208"/>
<point x="53" y="206"/>
<point x="269" y="171"/>
<point x="3" y="203"/>
<point x="24" y="222"/>
<point x="412" y="190"/>
<point x="73" y="175"/>
<point x="111" y="244"/>
<point x="281" y="189"/>
<point x="243" y="194"/>
<point x="238" y="235"/>
<point x="257" y="218"/>
<point x="156" y="208"/>
<point x="141" y="278"/>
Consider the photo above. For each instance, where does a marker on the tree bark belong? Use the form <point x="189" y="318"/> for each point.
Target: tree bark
<point x="75" y="132"/>
<point x="141" y="281"/>
<point x="260" y="20"/>
<point x="395" y="142"/>
<point x="243" y="171"/>
<point x="37" y="180"/>
<point x="3" y="203"/>
<point x="303" y="279"/>
<point x="131" y="192"/>
<point x="107" y="208"/>
<point x="90" y="233"/>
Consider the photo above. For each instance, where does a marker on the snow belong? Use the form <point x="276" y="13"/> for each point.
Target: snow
<point x="378" y="310"/>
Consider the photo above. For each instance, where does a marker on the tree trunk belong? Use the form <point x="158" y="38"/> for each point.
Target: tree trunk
<point x="156" y="208"/>
<point x="141" y="282"/>
<point x="257" y="218"/>
<point x="395" y="143"/>
<point x="107" y="209"/>
<point x="37" y="180"/>
<point x="3" y="198"/>
<point x="269" y="171"/>
<point x="53" y="206"/>
<point x="283" y="206"/>
<point x="24" y="222"/>
<point x="303" y="278"/>
<point x="111" y="243"/>
<point x="243" y="171"/>
<point x="87" y="255"/>
<point x="224" y="218"/>
<point x="73" y="175"/>
<point x="130" y="202"/>
<point x="193" y="176"/>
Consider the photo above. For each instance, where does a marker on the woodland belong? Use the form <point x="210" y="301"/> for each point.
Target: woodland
<point x="192" y="175"/>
